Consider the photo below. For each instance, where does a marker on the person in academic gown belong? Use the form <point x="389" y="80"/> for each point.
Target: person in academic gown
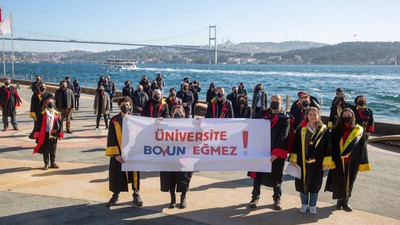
<point x="364" y="115"/>
<point x="156" y="106"/>
<point x="176" y="181"/>
<point x="349" y="155"/>
<point x="119" y="180"/>
<point x="37" y="102"/>
<point x="219" y="107"/>
<point x="50" y="131"/>
<point x="280" y="125"/>
<point x="9" y="101"/>
<point x="311" y="153"/>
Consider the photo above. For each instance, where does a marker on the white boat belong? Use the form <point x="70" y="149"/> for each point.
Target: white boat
<point x="120" y="64"/>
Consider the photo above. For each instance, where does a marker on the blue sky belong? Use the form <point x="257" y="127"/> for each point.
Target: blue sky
<point x="186" y="22"/>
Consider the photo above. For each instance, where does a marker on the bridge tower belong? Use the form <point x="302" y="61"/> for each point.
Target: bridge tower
<point x="212" y="43"/>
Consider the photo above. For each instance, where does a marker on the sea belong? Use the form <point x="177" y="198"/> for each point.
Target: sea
<point x="379" y="83"/>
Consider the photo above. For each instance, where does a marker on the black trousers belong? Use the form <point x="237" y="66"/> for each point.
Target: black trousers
<point x="49" y="149"/>
<point x="98" y="119"/>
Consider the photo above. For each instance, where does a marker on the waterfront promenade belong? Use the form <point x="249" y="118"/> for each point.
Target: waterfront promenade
<point x="76" y="193"/>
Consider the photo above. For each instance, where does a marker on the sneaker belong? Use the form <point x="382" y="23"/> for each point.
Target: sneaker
<point x="253" y="203"/>
<point x="303" y="208"/>
<point x="15" y="128"/>
<point x="137" y="200"/>
<point x="54" y="166"/>
<point x="96" y="128"/>
<point x="313" y="210"/>
<point x="4" y="128"/>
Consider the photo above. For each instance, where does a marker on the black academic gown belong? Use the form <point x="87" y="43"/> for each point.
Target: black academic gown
<point x="37" y="102"/>
<point x="311" y="157"/>
<point x="342" y="174"/>
<point x="280" y="125"/>
<point x="9" y="99"/>
<point x="179" y="179"/>
<point x="118" y="180"/>
<point x="155" y="109"/>
<point x="219" y="109"/>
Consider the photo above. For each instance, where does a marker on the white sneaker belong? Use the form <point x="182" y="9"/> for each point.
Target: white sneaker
<point x="313" y="210"/>
<point x="303" y="209"/>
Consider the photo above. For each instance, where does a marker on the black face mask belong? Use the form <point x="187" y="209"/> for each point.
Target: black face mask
<point x="242" y="101"/>
<point x="38" y="79"/>
<point x="235" y="92"/>
<point x="361" y="103"/>
<point x="7" y="83"/>
<point x="184" y="88"/>
<point x="139" y="90"/>
<point x="274" y="105"/>
<point x="124" y="109"/>
<point x="178" y="115"/>
<point x="42" y="89"/>
<point x="305" y="104"/>
<point x="220" y="95"/>
<point x="157" y="97"/>
<point x="173" y="94"/>
<point x="128" y="85"/>
<point x="50" y="105"/>
<point x="346" y="119"/>
<point x="341" y="99"/>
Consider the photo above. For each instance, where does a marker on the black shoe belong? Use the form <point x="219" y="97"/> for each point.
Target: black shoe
<point x="137" y="200"/>
<point x="173" y="201"/>
<point x="113" y="201"/>
<point x="4" y="128"/>
<point x="346" y="206"/>
<point x="54" y="166"/>
<point x="253" y="203"/>
<point x="172" y="205"/>
<point x="46" y="167"/>
<point x="15" y="128"/>
<point x="339" y="204"/>
<point x="277" y="204"/>
<point x="69" y="132"/>
<point x="183" y="201"/>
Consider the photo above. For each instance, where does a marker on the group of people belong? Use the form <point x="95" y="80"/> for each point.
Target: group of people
<point x="299" y="136"/>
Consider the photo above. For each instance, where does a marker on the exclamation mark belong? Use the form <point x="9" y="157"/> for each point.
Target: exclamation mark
<point x="245" y="136"/>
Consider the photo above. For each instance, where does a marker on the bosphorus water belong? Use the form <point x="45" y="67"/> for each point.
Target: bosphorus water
<point x="380" y="84"/>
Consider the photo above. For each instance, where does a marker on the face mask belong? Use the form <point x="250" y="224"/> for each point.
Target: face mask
<point x="220" y="95"/>
<point x="360" y="103"/>
<point x="341" y="99"/>
<point x="63" y="87"/>
<point x="274" y="105"/>
<point x="305" y="104"/>
<point x="178" y="115"/>
<point x="124" y="109"/>
<point x="184" y="88"/>
<point x="234" y="92"/>
<point x="242" y="101"/>
<point x="157" y="97"/>
<point x="38" y="79"/>
<point x="50" y="105"/>
<point x="173" y="94"/>
<point x="7" y="83"/>
<point x="42" y="89"/>
<point x="127" y="85"/>
<point x="346" y="119"/>
<point x="140" y="90"/>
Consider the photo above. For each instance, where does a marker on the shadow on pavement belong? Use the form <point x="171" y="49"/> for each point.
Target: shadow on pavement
<point x="16" y="169"/>
<point x="86" y="170"/>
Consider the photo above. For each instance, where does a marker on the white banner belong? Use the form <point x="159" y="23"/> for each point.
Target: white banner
<point x="195" y="144"/>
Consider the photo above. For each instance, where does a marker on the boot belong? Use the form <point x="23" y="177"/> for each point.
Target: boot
<point x="339" y="204"/>
<point x="113" y="200"/>
<point x="183" y="201"/>
<point x="136" y="199"/>
<point x="346" y="206"/>
<point x="253" y="203"/>
<point x="277" y="204"/>
<point x="173" y="201"/>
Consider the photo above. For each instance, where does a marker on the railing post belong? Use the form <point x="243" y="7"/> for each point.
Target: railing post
<point x="287" y="102"/>
<point x="85" y="83"/>
<point x="54" y="79"/>
<point x="94" y="84"/>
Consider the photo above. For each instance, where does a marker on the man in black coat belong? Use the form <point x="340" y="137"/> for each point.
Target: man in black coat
<point x="187" y="99"/>
<point x="156" y="106"/>
<point x="219" y="106"/>
<point x="139" y="99"/>
<point x="118" y="180"/>
<point x="65" y="101"/>
<point x="233" y="98"/>
<point x="9" y="101"/>
<point x="34" y="86"/>
<point x="280" y="125"/>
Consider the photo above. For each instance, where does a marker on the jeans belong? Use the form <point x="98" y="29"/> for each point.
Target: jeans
<point x="312" y="197"/>
<point x="13" y="119"/>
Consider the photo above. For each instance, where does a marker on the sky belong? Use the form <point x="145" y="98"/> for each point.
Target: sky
<point x="166" y="22"/>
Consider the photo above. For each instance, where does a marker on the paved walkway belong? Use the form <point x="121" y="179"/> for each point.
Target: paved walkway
<point x="76" y="192"/>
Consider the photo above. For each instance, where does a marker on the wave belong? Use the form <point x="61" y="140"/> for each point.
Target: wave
<point x="274" y="73"/>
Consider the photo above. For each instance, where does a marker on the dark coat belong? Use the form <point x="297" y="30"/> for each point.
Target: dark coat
<point x="127" y="91"/>
<point x="78" y="91"/>
<point x="210" y="95"/>
<point x="139" y="101"/>
<point x="171" y="103"/>
<point x="118" y="179"/>
<point x="311" y="160"/>
<point x="186" y="97"/>
<point x="298" y="114"/>
<point x="334" y="114"/>
<point x="104" y="108"/>
<point x="46" y="144"/>
<point x="155" y="109"/>
<point x="280" y="125"/>
<point x="220" y="109"/>
<point x="37" y="102"/>
<point x="9" y="100"/>
<point x="180" y="179"/>
<point x="244" y="112"/>
<point x="364" y="118"/>
<point x="70" y="98"/>
<point x="233" y="98"/>
<point x="342" y="173"/>
<point x="264" y="100"/>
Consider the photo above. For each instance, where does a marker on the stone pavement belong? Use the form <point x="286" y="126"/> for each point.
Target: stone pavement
<point x="76" y="193"/>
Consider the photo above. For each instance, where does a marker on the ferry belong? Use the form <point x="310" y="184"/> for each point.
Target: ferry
<point x="120" y="64"/>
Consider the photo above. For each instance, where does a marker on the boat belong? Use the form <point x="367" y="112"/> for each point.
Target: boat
<point x="120" y="64"/>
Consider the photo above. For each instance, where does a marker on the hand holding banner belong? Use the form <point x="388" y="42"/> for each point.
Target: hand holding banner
<point x="195" y="144"/>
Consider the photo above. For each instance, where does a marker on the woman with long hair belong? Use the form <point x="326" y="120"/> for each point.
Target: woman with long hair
<point x="312" y="154"/>
<point x="349" y="155"/>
